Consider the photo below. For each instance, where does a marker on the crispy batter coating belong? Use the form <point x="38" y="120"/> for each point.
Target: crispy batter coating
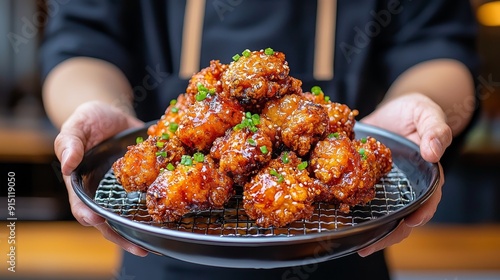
<point x="257" y="78"/>
<point x="336" y="163"/>
<point x="280" y="193"/>
<point x="242" y="152"/>
<point x="300" y="123"/>
<point x="249" y="116"/>
<point x="208" y="77"/>
<point x="341" y="117"/>
<point x="140" y="165"/>
<point x="206" y="120"/>
<point x="173" y="114"/>
<point x="376" y="159"/>
<point x="188" y="188"/>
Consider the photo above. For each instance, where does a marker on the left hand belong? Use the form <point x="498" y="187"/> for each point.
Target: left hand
<point x="421" y="120"/>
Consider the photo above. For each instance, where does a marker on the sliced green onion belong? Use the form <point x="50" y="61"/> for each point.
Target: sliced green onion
<point x="165" y="136"/>
<point x="174" y="110"/>
<point x="199" y="157"/>
<point x="201" y="95"/>
<point x="170" y="166"/>
<point x="236" y="57"/>
<point x="173" y="127"/>
<point x="264" y="149"/>
<point x="316" y="90"/>
<point x="211" y="91"/>
<point x="284" y="158"/>
<point x="362" y="152"/>
<point x="255" y="119"/>
<point x="269" y="51"/>
<point x="333" y="135"/>
<point x="173" y="101"/>
<point x="186" y="160"/>
<point x="246" y="53"/>
<point x="251" y="142"/>
<point x="139" y="140"/>
<point x="302" y="165"/>
<point x="253" y="129"/>
<point x="160" y="144"/>
<point x="161" y="153"/>
<point x="327" y="98"/>
<point x="363" y="140"/>
<point x="248" y="115"/>
<point x="276" y="174"/>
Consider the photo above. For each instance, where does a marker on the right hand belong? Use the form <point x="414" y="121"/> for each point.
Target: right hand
<point x="91" y="123"/>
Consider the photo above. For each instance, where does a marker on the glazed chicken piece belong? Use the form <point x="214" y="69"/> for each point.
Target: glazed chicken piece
<point x="337" y="165"/>
<point x="208" y="78"/>
<point x="280" y="193"/>
<point x="376" y="159"/>
<point x="167" y="124"/>
<point x="341" y="118"/>
<point x="243" y="150"/>
<point x="208" y="119"/>
<point x="256" y="77"/>
<point x="300" y="123"/>
<point x="140" y="165"/>
<point x="194" y="185"/>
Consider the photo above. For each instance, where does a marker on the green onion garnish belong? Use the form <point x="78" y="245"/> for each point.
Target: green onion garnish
<point x="327" y="98"/>
<point x="362" y="152"/>
<point x="236" y="57"/>
<point x="276" y="174"/>
<point x="173" y="127"/>
<point x="170" y="166"/>
<point x="175" y="110"/>
<point x="333" y="135"/>
<point x="199" y="157"/>
<point x="302" y="165"/>
<point x="165" y="136"/>
<point x="363" y="140"/>
<point x="139" y="140"/>
<point x="246" y="53"/>
<point x="161" y="153"/>
<point x="173" y="101"/>
<point x="316" y="90"/>
<point x="269" y="51"/>
<point x="284" y="158"/>
<point x="201" y="95"/>
<point x="159" y="144"/>
<point x="264" y="149"/>
<point x="186" y="160"/>
<point x="251" y="142"/>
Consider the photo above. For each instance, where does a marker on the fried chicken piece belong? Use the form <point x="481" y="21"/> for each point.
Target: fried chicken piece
<point x="376" y="159"/>
<point x="208" y="77"/>
<point x="195" y="187"/>
<point x="300" y="123"/>
<point x="341" y="117"/>
<point x="258" y="77"/>
<point x="241" y="152"/>
<point x="140" y="165"/>
<point x="280" y="193"/>
<point x="168" y="122"/>
<point x="208" y="119"/>
<point x="337" y="165"/>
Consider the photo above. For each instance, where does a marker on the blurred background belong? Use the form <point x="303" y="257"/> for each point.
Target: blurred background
<point x="461" y="242"/>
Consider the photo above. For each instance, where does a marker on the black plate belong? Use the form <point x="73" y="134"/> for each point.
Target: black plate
<point x="228" y="238"/>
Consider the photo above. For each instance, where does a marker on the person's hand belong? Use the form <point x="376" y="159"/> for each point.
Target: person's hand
<point x="91" y="123"/>
<point x="418" y="118"/>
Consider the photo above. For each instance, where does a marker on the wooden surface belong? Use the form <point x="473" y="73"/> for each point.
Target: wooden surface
<point x="67" y="250"/>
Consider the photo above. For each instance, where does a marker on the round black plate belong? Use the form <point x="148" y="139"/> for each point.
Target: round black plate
<point x="239" y="243"/>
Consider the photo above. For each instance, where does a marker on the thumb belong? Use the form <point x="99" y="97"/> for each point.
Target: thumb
<point x="435" y="134"/>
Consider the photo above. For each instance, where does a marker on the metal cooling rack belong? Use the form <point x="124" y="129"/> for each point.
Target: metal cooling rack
<point x="393" y="192"/>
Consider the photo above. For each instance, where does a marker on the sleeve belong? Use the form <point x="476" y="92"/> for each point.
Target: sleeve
<point x="89" y="28"/>
<point x="426" y="30"/>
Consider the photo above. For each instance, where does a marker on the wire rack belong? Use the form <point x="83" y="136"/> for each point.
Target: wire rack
<point x="393" y="192"/>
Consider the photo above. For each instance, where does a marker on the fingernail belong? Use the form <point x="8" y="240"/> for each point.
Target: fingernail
<point x="64" y="157"/>
<point x="366" y="253"/>
<point x="436" y="147"/>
